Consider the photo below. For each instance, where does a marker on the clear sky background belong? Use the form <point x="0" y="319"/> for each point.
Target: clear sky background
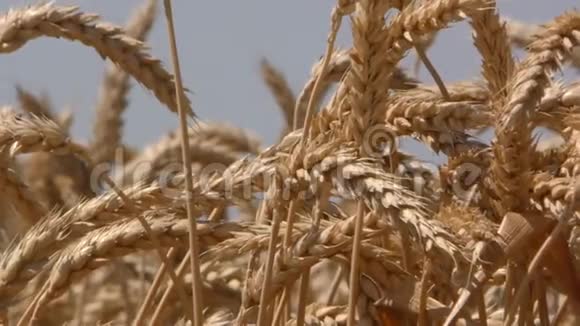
<point x="220" y="45"/>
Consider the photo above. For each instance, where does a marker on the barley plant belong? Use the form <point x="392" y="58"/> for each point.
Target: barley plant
<point x="334" y="224"/>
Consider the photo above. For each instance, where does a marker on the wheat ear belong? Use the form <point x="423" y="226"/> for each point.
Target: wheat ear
<point x="490" y="38"/>
<point x="280" y="90"/>
<point x="522" y="34"/>
<point x="22" y="209"/>
<point x="513" y="144"/>
<point x="19" y="26"/>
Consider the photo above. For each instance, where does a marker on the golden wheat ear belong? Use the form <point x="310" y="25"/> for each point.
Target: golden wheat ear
<point x="281" y="91"/>
<point x="110" y="41"/>
<point x="522" y="34"/>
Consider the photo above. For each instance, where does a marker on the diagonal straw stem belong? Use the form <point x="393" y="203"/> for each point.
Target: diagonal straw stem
<point x="193" y="244"/>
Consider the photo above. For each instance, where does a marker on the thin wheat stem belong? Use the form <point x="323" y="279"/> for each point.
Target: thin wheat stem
<point x="542" y="302"/>
<point x="317" y="211"/>
<point x="29" y="312"/>
<point x="280" y="307"/>
<point x="153" y="289"/>
<point x="538" y="257"/>
<point x="33" y="317"/>
<point x="155" y="239"/>
<point x="355" y="264"/>
<point x="251" y="266"/>
<point x="522" y="288"/>
<point x="336" y="20"/>
<point x="283" y="312"/>
<point x="304" y="284"/>
<point x="287" y="243"/>
<point x="181" y="269"/>
<point x="432" y="70"/>
<point x="266" y="284"/>
<point x="423" y="318"/>
<point x="334" y="285"/>
<point x="186" y="156"/>
<point x="159" y="278"/>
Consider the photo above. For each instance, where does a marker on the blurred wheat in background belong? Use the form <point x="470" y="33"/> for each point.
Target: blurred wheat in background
<point x="335" y="224"/>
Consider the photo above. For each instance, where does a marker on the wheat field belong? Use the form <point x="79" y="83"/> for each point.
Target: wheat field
<point x="334" y="224"/>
